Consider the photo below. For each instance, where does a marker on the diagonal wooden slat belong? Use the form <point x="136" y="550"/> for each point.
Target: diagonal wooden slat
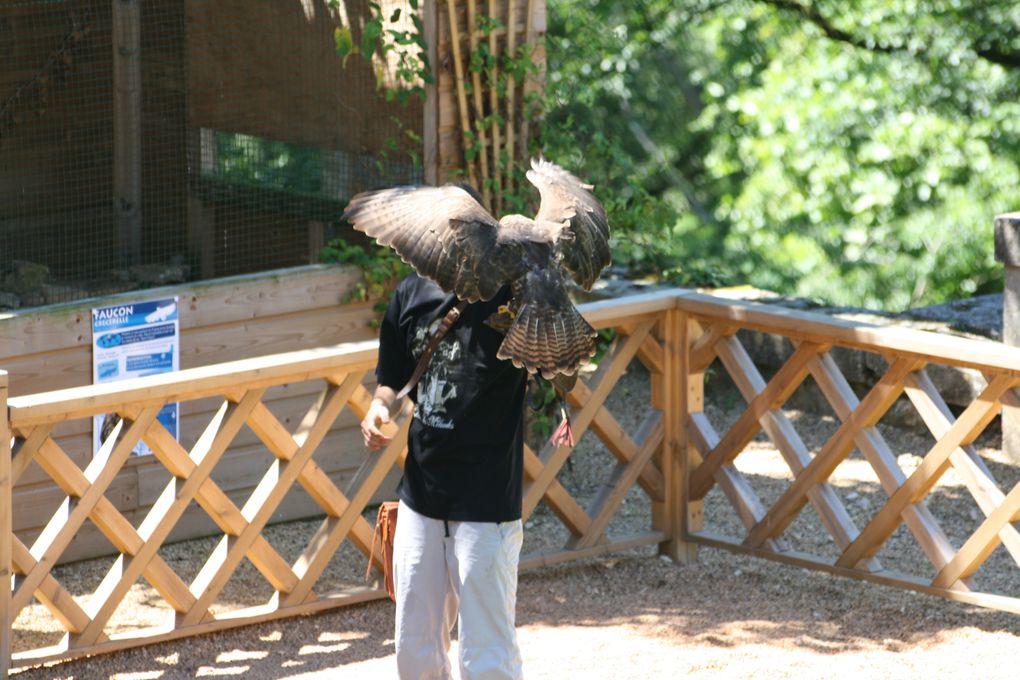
<point x="918" y="518"/>
<point x="314" y="559"/>
<point x="219" y="508"/>
<point x="618" y="442"/>
<point x="263" y="502"/>
<point x="786" y="380"/>
<point x="968" y="426"/>
<point x="312" y="477"/>
<point x="649" y="436"/>
<point x="876" y="402"/>
<point x="780" y="430"/>
<point x="650" y="353"/>
<point x="109" y="520"/>
<point x="163" y="515"/>
<point x="25" y="449"/>
<point x="557" y="498"/>
<point x="982" y="542"/>
<point x="50" y="593"/>
<point x="610" y="369"/>
<point x="729" y="480"/>
<point x="66" y="522"/>
<point x="703" y="351"/>
<point x="965" y="459"/>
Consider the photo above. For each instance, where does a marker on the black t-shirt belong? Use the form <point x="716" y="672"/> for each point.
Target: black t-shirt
<point x="465" y="446"/>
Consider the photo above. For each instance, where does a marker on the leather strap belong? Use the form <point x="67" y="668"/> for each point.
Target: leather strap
<point x="444" y="326"/>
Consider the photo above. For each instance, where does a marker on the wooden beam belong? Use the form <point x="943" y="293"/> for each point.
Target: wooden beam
<point x="984" y="355"/>
<point x="780" y="430"/>
<point x="161" y="519"/>
<point x="610" y="370"/>
<point x="220" y="509"/>
<point x="616" y="439"/>
<point x="649" y="436"/>
<point x="68" y="520"/>
<point x="918" y="518"/>
<point x="981" y="543"/>
<point x="192" y="383"/>
<point x="312" y="478"/>
<point x="733" y="484"/>
<point x="886" y="578"/>
<point x="127" y="128"/>
<point x="965" y="459"/>
<point x="312" y="562"/>
<point x="54" y="597"/>
<point x="968" y="426"/>
<point x="624" y="543"/>
<point x="6" y="529"/>
<point x="476" y="91"/>
<point x="430" y="132"/>
<point x="557" y="498"/>
<point x="458" y="69"/>
<point x="874" y="405"/>
<point x="263" y="502"/>
<point x="786" y="380"/>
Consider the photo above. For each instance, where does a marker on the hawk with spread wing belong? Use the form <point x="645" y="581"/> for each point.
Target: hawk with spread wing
<point x="448" y="237"/>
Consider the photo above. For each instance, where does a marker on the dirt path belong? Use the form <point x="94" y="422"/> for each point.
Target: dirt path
<point x="634" y="616"/>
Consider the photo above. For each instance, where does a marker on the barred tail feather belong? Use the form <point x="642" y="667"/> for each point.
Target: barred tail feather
<point x="548" y="340"/>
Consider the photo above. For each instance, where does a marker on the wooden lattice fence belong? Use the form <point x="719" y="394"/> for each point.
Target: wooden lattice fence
<point x="679" y="455"/>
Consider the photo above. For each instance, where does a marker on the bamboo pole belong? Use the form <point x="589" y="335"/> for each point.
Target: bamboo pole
<point x="430" y="136"/>
<point x="529" y="38"/>
<point x="458" y="69"/>
<point x="476" y="87"/>
<point x="493" y="73"/>
<point x="511" y="98"/>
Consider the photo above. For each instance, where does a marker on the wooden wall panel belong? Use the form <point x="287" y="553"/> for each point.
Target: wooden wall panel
<point x="221" y="320"/>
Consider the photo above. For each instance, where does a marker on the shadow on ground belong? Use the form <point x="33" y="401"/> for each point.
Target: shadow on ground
<point x="722" y="601"/>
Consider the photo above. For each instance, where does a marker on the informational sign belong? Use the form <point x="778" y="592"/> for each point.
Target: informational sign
<point x="133" y="340"/>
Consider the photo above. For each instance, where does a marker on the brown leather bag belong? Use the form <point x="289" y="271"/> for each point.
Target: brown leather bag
<point x="385" y="528"/>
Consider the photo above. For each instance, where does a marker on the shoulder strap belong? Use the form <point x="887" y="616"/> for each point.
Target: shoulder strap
<point x="444" y="326"/>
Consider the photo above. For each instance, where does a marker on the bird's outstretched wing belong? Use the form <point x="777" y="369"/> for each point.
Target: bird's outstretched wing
<point x="584" y="242"/>
<point x="444" y="233"/>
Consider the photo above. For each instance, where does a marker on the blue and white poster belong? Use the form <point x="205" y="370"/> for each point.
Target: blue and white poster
<point x="133" y="340"/>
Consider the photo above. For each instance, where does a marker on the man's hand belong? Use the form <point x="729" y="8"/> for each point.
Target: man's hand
<point x="378" y="415"/>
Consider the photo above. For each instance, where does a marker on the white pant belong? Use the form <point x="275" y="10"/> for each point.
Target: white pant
<point x="474" y="566"/>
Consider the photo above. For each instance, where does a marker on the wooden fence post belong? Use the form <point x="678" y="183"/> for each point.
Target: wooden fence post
<point x="678" y="398"/>
<point x="6" y="527"/>
<point x="1007" y="251"/>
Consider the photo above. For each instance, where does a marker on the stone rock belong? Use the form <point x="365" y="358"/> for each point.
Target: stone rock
<point x="9" y="300"/>
<point x="25" y="277"/>
<point x="159" y="274"/>
<point x="54" y="294"/>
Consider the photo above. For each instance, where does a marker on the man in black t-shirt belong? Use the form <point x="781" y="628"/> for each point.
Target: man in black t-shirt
<point x="459" y="531"/>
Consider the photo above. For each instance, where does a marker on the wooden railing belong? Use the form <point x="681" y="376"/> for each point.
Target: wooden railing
<point x="686" y="466"/>
<point x="34" y="421"/>
<point x="951" y="556"/>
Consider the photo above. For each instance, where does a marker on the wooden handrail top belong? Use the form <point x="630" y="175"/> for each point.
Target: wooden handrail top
<point x="983" y="355"/>
<point x="192" y="383"/>
<point x="218" y="379"/>
<point x="615" y="311"/>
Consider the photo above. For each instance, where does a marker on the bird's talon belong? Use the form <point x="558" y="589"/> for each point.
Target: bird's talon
<point x="504" y="309"/>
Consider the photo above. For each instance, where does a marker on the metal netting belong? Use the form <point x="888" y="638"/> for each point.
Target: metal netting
<point x="148" y="142"/>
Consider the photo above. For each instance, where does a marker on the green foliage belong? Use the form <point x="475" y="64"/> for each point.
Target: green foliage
<point x="854" y="153"/>
<point x="381" y="270"/>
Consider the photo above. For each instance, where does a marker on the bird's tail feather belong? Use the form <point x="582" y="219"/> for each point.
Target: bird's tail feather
<point x="548" y="339"/>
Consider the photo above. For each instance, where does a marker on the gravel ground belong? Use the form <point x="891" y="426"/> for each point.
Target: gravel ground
<point x="631" y="615"/>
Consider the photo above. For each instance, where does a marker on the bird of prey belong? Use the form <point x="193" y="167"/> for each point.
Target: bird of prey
<point x="446" y="235"/>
